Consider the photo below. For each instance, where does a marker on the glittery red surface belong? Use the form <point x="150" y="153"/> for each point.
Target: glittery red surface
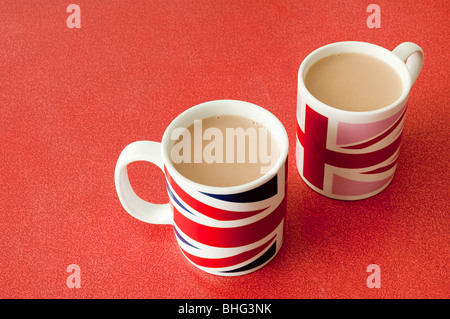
<point x="72" y="99"/>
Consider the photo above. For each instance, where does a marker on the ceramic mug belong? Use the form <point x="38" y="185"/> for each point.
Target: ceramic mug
<point x="225" y="231"/>
<point x="351" y="155"/>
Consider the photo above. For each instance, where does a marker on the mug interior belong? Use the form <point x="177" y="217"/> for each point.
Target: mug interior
<point x="226" y="107"/>
<point x="357" y="47"/>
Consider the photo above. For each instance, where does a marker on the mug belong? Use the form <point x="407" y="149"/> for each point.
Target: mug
<point x="350" y="155"/>
<point x="225" y="231"/>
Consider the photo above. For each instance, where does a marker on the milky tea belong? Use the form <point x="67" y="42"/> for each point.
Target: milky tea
<point x="353" y="82"/>
<point x="224" y="150"/>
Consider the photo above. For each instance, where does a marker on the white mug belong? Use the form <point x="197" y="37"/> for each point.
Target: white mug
<point x="226" y="231"/>
<point x="351" y="155"/>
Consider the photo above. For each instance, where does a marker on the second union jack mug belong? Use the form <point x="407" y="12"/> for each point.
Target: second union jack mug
<point x="351" y="155"/>
<point x="226" y="231"/>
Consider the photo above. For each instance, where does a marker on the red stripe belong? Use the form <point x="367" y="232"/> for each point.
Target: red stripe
<point x="300" y="134"/>
<point x="314" y="142"/>
<point x="228" y="261"/>
<point x="234" y="236"/>
<point x="346" y="160"/>
<point x="380" y="137"/>
<point x="382" y="169"/>
<point x="212" y="212"/>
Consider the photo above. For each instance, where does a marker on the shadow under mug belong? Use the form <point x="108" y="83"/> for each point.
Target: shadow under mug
<point x="226" y="231"/>
<point x="352" y="155"/>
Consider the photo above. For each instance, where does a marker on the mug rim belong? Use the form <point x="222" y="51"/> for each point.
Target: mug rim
<point x="282" y="140"/>
<point x="395" y="62"/>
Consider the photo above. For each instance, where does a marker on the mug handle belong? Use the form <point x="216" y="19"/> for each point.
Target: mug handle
<point x="133" y="204"/>
<point x="413" y="55"/>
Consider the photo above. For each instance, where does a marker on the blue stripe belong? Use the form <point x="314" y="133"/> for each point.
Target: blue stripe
<point x="257" y="194"/>
<point x="183" y="240"/>
<point x="175" y="199"/>
<point x="257" y="262"/>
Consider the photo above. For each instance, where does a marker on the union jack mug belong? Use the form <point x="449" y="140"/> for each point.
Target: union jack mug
<point x="225" y="231"/>
<point x="350" y="155"/>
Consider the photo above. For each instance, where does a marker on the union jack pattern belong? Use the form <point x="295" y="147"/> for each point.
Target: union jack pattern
<point x="229" y="234"/>
<point x="347" y="160"/>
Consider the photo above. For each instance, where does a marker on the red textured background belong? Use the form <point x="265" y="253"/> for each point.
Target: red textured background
<point x="72" y="99"/>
